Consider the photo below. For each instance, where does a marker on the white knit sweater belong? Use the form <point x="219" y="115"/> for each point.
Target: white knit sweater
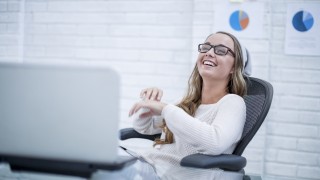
<point x="215" y="129"/>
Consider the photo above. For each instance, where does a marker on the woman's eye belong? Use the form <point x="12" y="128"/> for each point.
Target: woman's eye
<point x="221" y="50"/>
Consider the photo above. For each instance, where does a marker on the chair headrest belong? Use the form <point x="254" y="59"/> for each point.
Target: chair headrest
<point x="247" y="67"/>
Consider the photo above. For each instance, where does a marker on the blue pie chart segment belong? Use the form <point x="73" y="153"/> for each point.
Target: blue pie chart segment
<point x="239" y="20"/>
<point x="302" y="21"/>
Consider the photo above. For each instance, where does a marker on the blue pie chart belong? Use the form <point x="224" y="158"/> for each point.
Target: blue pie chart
<point x="239" y="20"/>
<point x="302" y="21"/>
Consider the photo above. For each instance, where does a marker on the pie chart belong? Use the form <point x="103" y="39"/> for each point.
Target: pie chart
<point x="302" y="21"/>
<point x="239" y="20"/>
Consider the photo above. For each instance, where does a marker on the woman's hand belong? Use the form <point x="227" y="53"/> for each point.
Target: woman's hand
<point x="154" y="94"/>
<point x="154" y="108"/>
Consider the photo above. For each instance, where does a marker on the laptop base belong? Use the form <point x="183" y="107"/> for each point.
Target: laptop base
<point x="72" y="168"/>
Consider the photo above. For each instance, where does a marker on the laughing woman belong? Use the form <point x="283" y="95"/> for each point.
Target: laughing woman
<point x="208" y="120"/>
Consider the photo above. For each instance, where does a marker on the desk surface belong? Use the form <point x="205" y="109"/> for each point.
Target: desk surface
<point x="6" y="173"/>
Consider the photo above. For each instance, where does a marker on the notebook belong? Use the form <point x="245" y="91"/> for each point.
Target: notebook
<point x="60" y="118"/>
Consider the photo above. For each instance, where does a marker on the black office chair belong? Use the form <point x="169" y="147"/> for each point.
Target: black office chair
<point x="258" y="101"/>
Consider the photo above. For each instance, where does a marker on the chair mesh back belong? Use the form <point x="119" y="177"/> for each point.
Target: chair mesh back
<point x="254" y="105"/>
<point x="258" y="101"/>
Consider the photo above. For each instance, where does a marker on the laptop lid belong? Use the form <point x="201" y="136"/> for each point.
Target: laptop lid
<point x="59" y="114"/>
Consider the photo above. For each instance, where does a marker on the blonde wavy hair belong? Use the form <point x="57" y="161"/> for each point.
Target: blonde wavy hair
<point x="192" y="99"/>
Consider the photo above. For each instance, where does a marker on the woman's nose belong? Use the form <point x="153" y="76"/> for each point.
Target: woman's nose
<point x="210" y="53"/>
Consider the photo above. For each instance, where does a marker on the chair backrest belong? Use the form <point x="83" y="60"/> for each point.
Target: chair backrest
<point x="258" y="101"/>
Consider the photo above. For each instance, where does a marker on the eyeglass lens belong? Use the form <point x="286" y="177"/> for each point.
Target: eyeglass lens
<point x="219" y="50"/>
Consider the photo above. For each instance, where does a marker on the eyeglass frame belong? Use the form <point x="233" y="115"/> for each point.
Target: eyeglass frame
<point x="213" y="47"/>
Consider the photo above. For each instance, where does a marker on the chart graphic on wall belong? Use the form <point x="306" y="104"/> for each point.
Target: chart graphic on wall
<point x="302" y="21"/>
<point x="241" y="19"/>
<point x="302" y="29"/>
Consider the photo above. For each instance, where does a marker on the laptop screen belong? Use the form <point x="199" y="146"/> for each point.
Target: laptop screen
<point x="59" y="112"/>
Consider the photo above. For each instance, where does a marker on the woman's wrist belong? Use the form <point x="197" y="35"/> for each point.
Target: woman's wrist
<point x="165" y="109"/>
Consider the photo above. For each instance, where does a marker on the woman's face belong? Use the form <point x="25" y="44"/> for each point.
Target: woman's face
<point x="216" y="67"/>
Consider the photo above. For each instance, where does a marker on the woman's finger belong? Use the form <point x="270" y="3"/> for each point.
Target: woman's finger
<point x="159" y="95"/>
<point x="151" y="94"/>
<point x="133" y="109"/>
<point x="154" y="93"/>
<point x="143" y="93"/>
<point x="147" y="94"/>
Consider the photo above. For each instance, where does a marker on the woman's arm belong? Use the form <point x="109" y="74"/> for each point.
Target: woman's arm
<point x="214" y="138"/>
<point x="147" y="124"/>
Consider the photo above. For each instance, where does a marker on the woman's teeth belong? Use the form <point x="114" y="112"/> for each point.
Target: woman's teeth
<point x="208" y="63"/>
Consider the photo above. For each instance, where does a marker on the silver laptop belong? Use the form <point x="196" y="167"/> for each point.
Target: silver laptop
<point x="59" y="119"/>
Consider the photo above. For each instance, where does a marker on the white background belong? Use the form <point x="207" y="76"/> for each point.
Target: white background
<point x="154" y="43"/>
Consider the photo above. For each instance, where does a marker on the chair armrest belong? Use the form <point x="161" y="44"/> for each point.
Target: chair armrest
<point x="128" y="133"/>
<point x="223" y="161"/>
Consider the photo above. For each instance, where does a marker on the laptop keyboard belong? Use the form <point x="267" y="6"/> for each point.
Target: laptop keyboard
<point x="7" y="174"/>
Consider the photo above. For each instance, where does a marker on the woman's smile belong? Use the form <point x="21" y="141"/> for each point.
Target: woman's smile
<point x="209" y="63"/>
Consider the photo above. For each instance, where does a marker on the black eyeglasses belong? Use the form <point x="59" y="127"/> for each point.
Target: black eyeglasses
<point x="218" y="49"/>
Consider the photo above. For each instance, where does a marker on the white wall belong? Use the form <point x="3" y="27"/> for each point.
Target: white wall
<point x="10" y="31"/>
<point x="153" y="43"/>
<point x="293" y="127"/>
<point x="148" y="44"/>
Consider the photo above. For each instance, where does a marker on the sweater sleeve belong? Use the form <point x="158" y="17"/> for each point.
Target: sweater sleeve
<point x="225" y="130"/>
<point x="148" y="125"/>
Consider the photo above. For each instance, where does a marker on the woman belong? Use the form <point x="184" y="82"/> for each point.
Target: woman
<point x="208" y="120"/>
